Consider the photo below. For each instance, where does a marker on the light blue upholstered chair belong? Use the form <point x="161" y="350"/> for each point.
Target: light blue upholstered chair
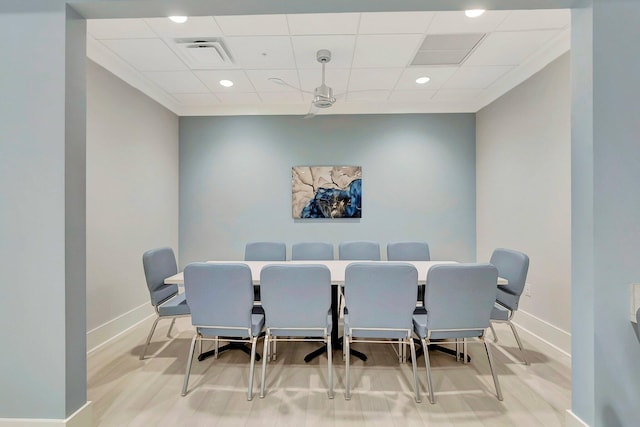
<point x="221" y="301"/>
<point x="408" y="251"/>
<point x="311" y="251"/>
<point x="359" y="251"/>
<point x="513" y="266"/>
<point x="458" y="299"/>
<point x="297" y="303"/>
<point x="159" y="264"/>
<point x="265" y="251"/>
<point x="380" y="299"/>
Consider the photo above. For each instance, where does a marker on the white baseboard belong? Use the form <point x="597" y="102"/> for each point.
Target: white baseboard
<point x="99" y="336"/>
<point x="572" y="420"/>
<point x="545" y="331"/>
<point x="83" y="417"/>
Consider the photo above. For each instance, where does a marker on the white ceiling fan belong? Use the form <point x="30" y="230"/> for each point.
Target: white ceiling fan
<point x="323" y="94"/>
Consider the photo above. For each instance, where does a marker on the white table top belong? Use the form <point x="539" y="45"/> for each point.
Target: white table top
<point x="337" y="268"/>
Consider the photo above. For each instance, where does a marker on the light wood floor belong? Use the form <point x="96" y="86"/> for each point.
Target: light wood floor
<point x="128" y="392"/>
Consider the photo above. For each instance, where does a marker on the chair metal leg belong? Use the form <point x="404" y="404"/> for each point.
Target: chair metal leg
<point x="465" y="351"/>
<point x="493" y="331"/>
<point x="427" y="363"/>
<point x="515" y="334"/>
<point x="153" y="328"/>
<point x="264" y="363"/>
<point x="493" y="372"/>
<point x="347" y="359"/>
<point x="173" y="321"/>
<point x="254" y="343"/>
<point x="415" y="369"/>
<point x="330" y="366"/>
<point x="216" y="344"/>
<point x="189" y="360"/>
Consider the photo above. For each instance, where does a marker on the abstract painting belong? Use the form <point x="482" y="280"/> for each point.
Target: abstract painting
<point x="326" y="191"/>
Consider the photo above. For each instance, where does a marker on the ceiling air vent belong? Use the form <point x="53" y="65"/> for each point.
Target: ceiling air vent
<point x="201" y="53"/>
<point x="446" y="49"/>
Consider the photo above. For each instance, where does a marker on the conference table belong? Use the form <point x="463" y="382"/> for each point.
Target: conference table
<point x="337" y="269"/>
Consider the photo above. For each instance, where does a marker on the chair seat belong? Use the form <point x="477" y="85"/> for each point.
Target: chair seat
<point x="311" y="332"/>
<point x="175" y="306"/>
<point x="500" y="312"/>
<point x="420" y="328"/>
<point x="257" y="323"/>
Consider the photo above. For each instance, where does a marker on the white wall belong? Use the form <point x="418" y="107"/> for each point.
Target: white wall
<point x="132" y="198"/>
<point x="524" y="192"/>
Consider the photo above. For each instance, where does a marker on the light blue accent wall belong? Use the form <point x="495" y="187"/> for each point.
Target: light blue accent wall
<point x="607" y="152"/>
<point x="418" y="181"/>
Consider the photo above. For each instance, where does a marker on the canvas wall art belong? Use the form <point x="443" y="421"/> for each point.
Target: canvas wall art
<point x="326" y="191"/>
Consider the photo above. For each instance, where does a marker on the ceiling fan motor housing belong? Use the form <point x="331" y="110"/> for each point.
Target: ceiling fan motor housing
<point x="323" y="97"/>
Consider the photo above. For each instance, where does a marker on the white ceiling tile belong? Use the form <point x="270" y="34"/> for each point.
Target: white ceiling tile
<point x="261" y="52"/>
<point x="457" y="95"/>
<point x="198" y="99"/>
<point x="306" y="47"/>
<point x="367" y="96"/>
<point x="119" y="29"/>
<point x="282" y="97"/>
<point x="395" y="22"/>
<point x="523" y="20"/>
<point x="260" y="80"/>
<point x="336" y="78"/>
<point x="391" y="50"/>
<point x="177" y="81"/>
<point x="253" y="25"/>
<point x="323" y="23"/>
<point x="196" y="26"/>
<point x="438" y="76"/>
<point x="457" y="22"/>
<point x="475" y="77"/>
<point x="241" y="82"/>
<point x="411" y="96"/>
<point x="146" y="54"/>
<point x="509" y="48"/>
<point x="374" y="78"/>
<point x="239" y="98"/>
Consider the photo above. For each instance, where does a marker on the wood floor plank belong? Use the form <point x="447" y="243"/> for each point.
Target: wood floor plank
<point x="128" y="392"/>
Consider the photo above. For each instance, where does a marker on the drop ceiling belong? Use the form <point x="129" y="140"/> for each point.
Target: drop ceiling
<point x="371" y="70"/>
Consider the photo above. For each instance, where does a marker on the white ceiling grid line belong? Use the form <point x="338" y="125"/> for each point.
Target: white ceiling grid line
<point x="370" y="66"/>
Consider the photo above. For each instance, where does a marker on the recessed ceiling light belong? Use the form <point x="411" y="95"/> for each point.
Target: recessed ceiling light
<point x="178" y="19"/>
<point x="473" y="13"/>
<point x="422" y="80"/>
<point x="226" y="83"/>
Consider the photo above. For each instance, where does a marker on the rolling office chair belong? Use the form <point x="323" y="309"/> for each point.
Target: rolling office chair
<point x="221" y="301"/>
<point x="312" y="251"/>
<point x="159" y="264"/>
<point x="297" y="303"/>
<point x="458" y="299"/>
<point x="408" y="251"/>
<point x="513" y="266"/>
<point x="380" y="299"/>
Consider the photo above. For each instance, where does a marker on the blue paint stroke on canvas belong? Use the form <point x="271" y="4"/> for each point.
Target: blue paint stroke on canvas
<point x="327" y="191"/>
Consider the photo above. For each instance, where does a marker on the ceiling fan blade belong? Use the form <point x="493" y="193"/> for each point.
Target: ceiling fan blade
<point x="281" y="82"/>
<point x="313" y="110"/>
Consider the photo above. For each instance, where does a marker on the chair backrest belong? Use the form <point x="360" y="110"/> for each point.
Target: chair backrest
<point x="265" y="251"/>
<point x="312" y="251"/>
<point x="359" y="250"/>
<point x="513" y="266"/>
<point x="380" y="295"/>
<point x="408" y="251"/>
<point x="295" y="295"/>
<point x="460" y="296"/>
<point x="159" y="264"/>
<point x="219" y="294"/>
